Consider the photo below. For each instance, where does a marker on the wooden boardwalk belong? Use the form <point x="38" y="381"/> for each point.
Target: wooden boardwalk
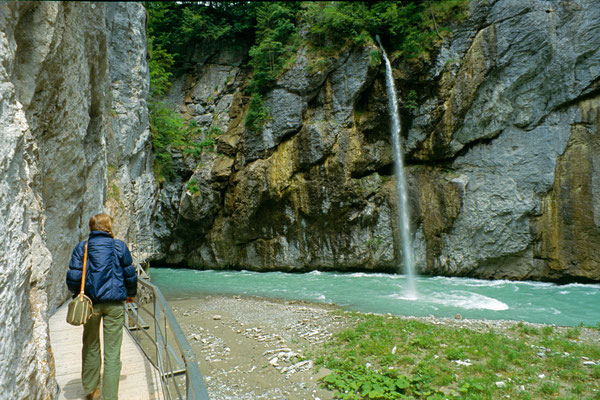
<point x="139" y="379"/>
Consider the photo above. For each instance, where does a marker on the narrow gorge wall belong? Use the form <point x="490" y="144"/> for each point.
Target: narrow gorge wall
<point x="502" y="153"/>
<point x="74" y="142"/>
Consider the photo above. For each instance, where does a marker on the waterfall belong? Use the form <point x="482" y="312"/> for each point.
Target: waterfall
<point x="402" y="211"/>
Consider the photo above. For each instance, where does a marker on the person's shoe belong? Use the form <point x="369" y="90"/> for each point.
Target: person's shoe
<point x="95" y="395"/>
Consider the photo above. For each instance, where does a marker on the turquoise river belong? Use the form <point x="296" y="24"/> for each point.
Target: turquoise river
<point x="538" y="302"/>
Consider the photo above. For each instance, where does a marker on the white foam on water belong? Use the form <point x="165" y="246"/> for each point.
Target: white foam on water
<point x="471" y="301"/>
<point x="471" y="282"/>
<point x="404" y="296"/>
<point x="540" y="285"/>
<point x="456" y="298"/>
<point x="486" y="283"/>
<point x="374" y="275"/>
<point x="461" y="299"/>
<point x="583" y="285"/>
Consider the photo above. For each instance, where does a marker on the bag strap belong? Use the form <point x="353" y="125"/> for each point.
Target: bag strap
<point x="84" y="266"/>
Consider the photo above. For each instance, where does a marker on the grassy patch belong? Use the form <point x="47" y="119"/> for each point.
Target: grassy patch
<point x="391" y="358"/>
<point x="192" y="186"/>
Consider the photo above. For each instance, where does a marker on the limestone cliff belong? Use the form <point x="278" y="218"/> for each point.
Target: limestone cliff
<point x="74" y="142"/>
<point x="502" y="151"/>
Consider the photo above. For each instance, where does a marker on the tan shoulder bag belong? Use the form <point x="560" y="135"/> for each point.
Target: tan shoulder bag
<point x="80" y="308"/>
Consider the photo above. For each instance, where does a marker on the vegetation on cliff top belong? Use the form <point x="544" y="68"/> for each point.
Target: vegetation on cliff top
<point x="274" y="31"/>
<point x="170" y="131"/>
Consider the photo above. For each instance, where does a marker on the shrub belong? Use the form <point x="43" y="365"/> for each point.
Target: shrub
<point x="192" y="186"/>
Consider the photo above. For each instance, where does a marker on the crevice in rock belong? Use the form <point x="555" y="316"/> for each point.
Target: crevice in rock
<point x="594" y="92"/>
<point x="467" y="147"/>
<point x="525" y="11"/>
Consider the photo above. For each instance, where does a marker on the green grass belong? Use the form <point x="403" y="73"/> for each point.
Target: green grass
<point x="391" y="358"/>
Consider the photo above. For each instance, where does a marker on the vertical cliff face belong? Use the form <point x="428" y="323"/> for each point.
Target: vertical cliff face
<point x="518" y="108"/>
<point x="130" y="190"/>
<point x="73" y="83"/>
<point x="500" y="148"/>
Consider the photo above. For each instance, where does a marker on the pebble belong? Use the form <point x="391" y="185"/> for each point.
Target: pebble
<point x="276" y="351"/>
<point x="217" y="317"/>
<point x="500" y="384"/>
<point x="466" y="362"/>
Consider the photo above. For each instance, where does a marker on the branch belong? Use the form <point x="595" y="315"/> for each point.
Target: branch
<point x="434" y="23"/>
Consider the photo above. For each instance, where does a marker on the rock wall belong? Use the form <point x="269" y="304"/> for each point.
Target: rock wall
<point x="75" y="141"/>
<point x="526" y="91"/>
<point x="502" y="153"/>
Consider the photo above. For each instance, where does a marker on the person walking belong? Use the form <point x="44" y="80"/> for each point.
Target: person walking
<point x="110" y="280"/>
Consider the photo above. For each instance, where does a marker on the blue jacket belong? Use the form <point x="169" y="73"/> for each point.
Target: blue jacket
<point x="110" y="273"/>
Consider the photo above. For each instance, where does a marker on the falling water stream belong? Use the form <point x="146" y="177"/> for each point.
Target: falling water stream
<point x="402" y="211"/>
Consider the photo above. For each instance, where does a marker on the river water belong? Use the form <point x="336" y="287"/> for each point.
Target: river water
<point x="539" y="302"/>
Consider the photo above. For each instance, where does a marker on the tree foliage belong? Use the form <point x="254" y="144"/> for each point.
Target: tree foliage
<point x="409" y="26"/>
<point x="178" y="27"/>
<point x="276" y="41"/>
<point x="160" y="69"/>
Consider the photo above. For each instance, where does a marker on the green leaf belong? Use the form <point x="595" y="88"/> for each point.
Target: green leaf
<point x="402" y="382"/>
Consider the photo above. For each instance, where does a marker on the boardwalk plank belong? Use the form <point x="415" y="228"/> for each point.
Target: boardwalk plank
<point x="139" y="380"/>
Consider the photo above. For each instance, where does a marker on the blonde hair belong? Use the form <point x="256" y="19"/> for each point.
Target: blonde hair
<point x="101" y="222"/>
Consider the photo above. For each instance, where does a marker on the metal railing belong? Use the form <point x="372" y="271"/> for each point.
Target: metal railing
<point x="155" y="330"/>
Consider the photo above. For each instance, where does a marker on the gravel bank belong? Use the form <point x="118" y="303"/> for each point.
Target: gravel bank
<point x="251" y="348"/>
